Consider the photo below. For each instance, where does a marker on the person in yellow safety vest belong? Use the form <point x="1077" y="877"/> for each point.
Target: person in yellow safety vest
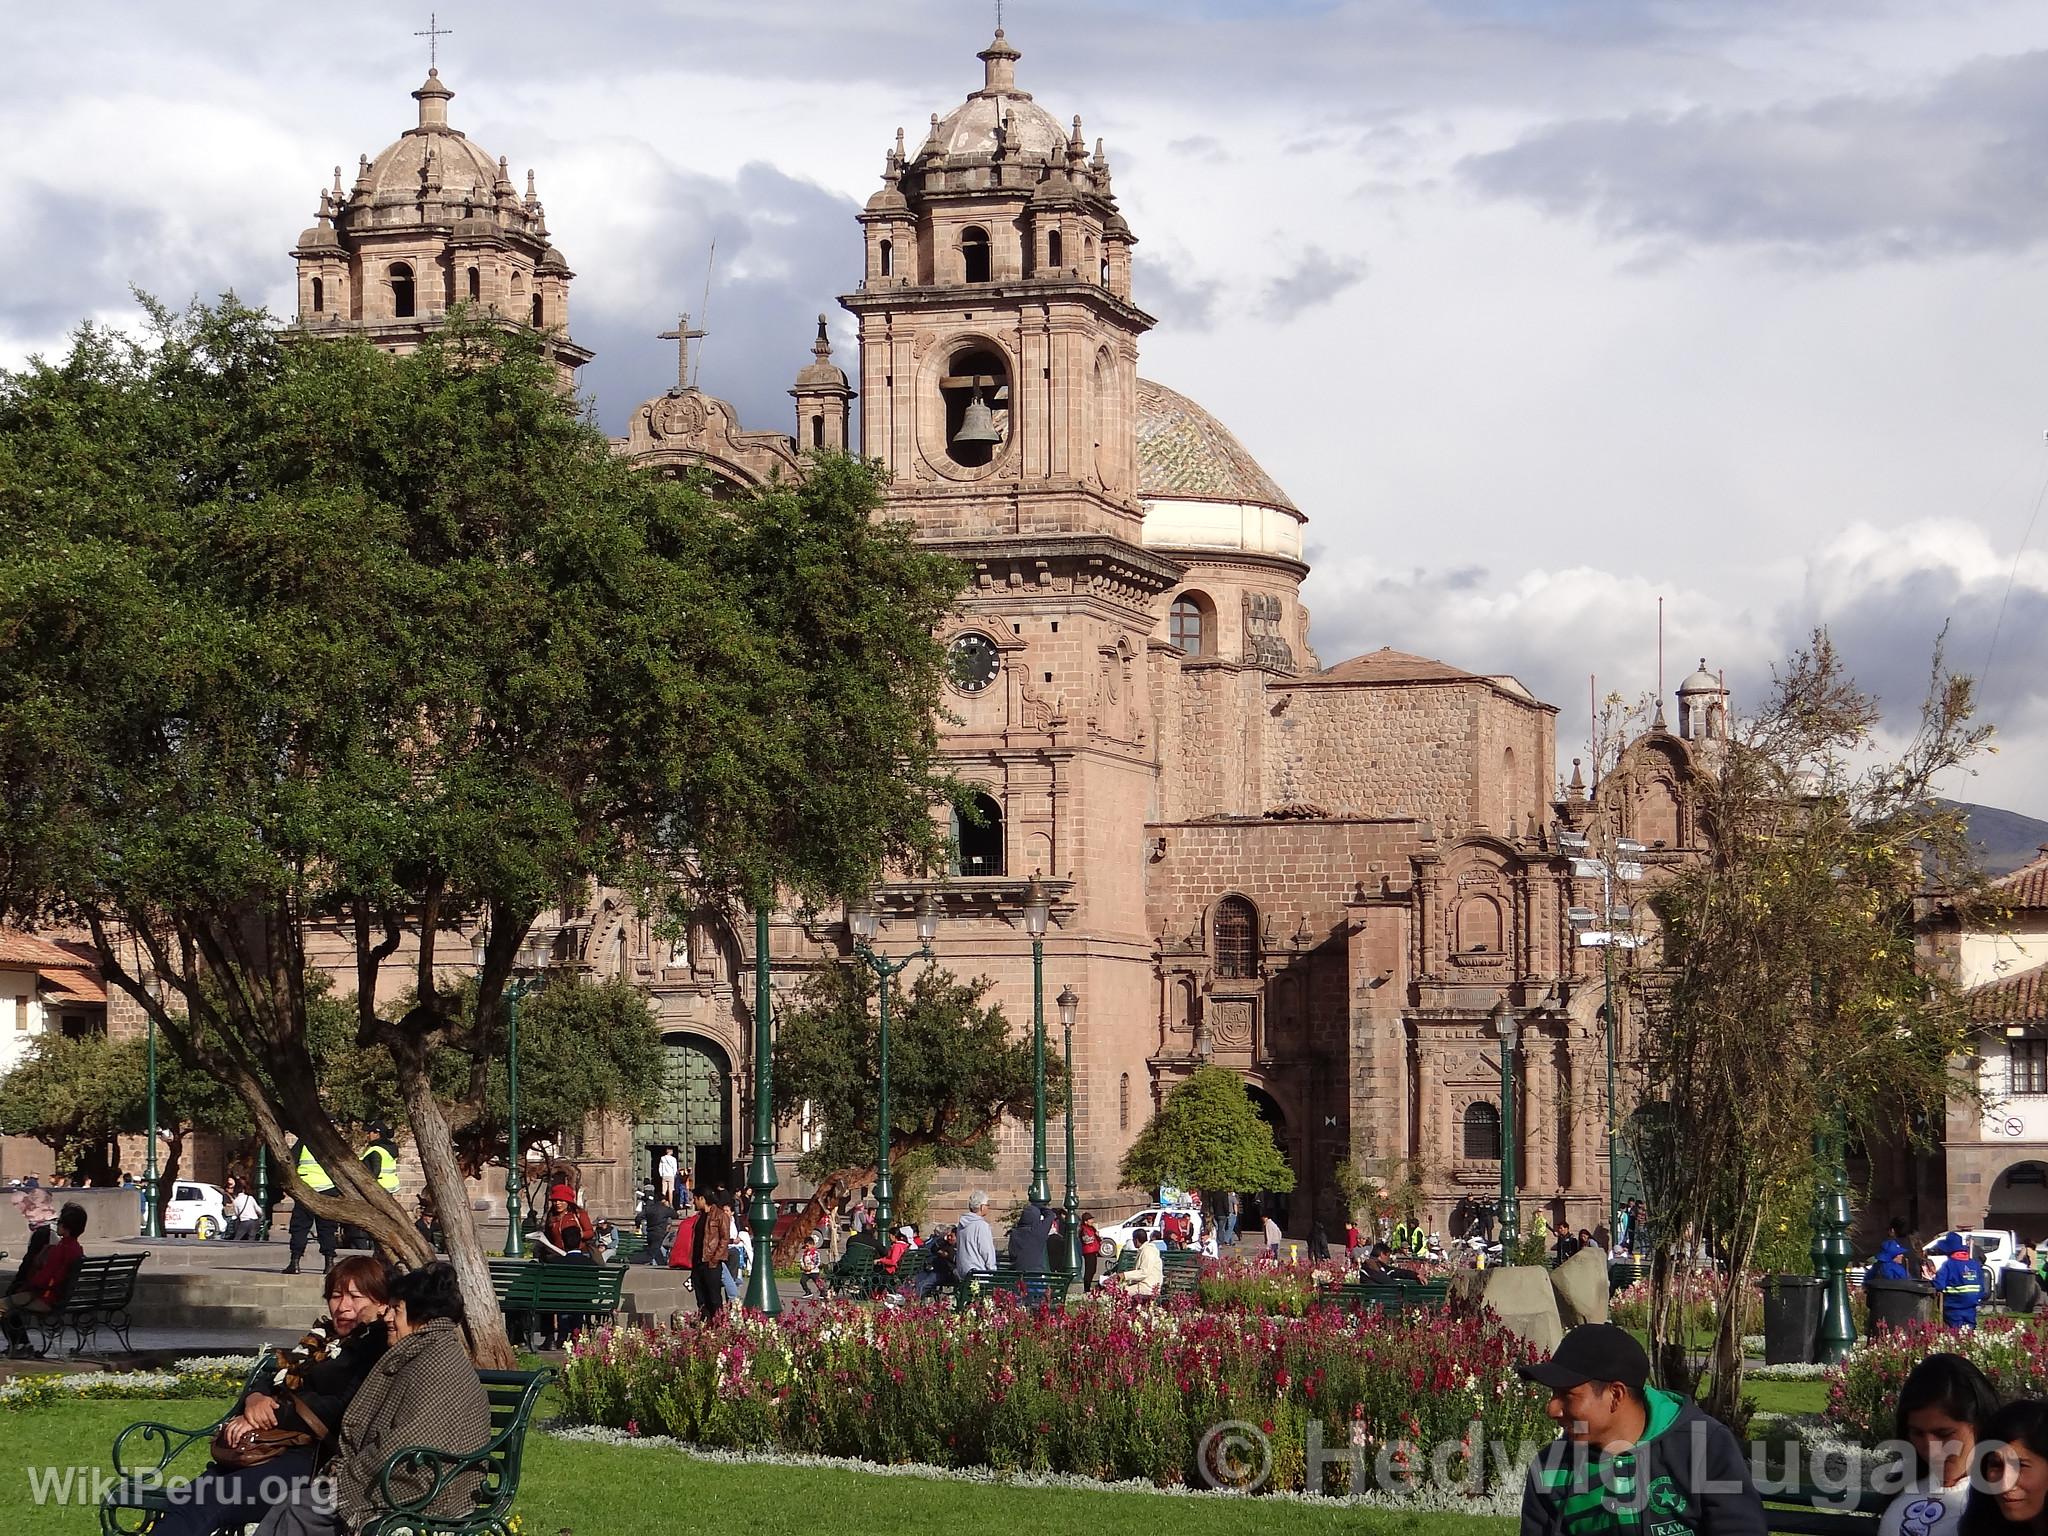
<point x="381" y="1158"/>
<point x="315" y="1178"/>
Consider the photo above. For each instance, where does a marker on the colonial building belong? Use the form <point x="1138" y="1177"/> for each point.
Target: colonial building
<point x="1341" y="882"/>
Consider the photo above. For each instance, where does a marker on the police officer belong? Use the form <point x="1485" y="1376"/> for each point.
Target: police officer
<point x="315" y="1178"/>
<point x="1960" y="1281"/>
<point x="380" y="1157"/>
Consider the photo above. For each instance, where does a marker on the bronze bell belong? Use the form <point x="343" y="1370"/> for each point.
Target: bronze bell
<point x="977" y="423"/>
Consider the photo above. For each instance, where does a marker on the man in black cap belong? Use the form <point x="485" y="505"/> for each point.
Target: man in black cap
<point x="1630" y="1460"/>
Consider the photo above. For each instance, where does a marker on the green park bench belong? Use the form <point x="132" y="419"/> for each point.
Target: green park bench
<point x="632" y="1247"/>
<point x="1622" y="1273"/>
<point x="1031" y="1288"/>
<point x="139" y="1493"/>
<point x="1180" y="1274"/>
<point x="1800" y="1509"/>
<point x="525" y="1288"/>
<point x="99" y="1293"/>
<point x="854" y="1274"/>
<point x="1362" y="1296"/>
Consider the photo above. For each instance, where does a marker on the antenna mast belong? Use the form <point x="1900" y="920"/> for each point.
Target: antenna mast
<point x="704" y="309"/>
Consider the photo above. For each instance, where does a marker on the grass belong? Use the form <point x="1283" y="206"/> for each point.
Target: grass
<point x="1809" y="1396"/>
<point x="601" y="1490"/>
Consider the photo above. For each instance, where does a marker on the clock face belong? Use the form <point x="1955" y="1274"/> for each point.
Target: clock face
<point x="975" y="662"/>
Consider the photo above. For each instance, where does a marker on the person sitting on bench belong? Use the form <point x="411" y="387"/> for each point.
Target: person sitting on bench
<point x="45" y="1286"/>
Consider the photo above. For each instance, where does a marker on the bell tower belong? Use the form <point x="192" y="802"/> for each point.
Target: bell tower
<point x="999" y="385"/>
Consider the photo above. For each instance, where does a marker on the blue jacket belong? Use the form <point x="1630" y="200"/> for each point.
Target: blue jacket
<point x="1889" y="1263"/>
<point x="1961" y="1283"/>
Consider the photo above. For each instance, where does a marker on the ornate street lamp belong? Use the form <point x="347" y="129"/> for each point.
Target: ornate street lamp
<point x="865" y="921"/>
<point x="152" y="1197"/>
<point x="1068" y="1005"/>
<point x="761" y="1171"/>
<point x="514" y="1165"/>
<point x="1037" y="909"/>
<point x="1505" y="1026"/>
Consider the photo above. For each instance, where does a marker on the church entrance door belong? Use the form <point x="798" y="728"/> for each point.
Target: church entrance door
<point x="694" y="1115"/>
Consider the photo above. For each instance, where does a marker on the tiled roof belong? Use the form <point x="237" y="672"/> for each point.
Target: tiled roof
<point x="1387" y="665"/>
<point x="2021" y="998"/>
<point x="77" y="986"/>
<point x="24" y="951"/>
<point x="2026" y="888"/>
<point x="1183" y="451"/>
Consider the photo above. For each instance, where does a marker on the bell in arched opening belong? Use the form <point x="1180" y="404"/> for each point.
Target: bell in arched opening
<point x="977" y="423"/>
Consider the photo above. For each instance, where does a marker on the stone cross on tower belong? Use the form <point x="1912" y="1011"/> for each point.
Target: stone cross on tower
<point x="682" y="336"/>
<point x="434" y="33"/>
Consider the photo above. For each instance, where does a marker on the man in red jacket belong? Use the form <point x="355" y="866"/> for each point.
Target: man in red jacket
<point x="46" y="1283"/>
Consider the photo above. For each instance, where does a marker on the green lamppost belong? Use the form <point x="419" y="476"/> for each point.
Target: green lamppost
<point x="1037" y="909"/>
<point x="1068" y="1005"/>
<point x="514" y="1164"/>
<point x="1510" y="1201"/>
<point x="863" y="918"/>
<point x="152" y="1201"/>
<point x="761" y="1171"/>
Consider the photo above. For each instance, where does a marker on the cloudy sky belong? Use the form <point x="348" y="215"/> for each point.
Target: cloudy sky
<point x="1541" y="309"/>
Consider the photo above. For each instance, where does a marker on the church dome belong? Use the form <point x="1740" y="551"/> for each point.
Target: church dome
<point x="996" y="114"/>
<point x="433" y="174"/>
<point x="1201" y="488"/>
<point x="1701" y="681"/>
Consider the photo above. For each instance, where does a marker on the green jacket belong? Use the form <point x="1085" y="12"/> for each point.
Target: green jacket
<point x="1686" y="1475"/>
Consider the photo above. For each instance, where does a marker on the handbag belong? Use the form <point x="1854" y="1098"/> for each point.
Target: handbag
<point x="261" y="1446"/>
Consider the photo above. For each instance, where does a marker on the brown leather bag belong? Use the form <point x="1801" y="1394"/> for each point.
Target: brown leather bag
<point x="266" y="1444"/>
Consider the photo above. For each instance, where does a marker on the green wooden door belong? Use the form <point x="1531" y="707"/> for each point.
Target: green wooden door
<point x="695" y="1113"/>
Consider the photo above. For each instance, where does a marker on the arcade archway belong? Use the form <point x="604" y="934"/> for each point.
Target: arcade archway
<point x="2019" y="1201"/>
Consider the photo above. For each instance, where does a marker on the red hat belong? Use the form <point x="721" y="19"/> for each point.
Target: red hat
<point x="562" y="1192"/>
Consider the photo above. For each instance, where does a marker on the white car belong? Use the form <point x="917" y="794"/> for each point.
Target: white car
<point x="195" y="1208"/>
<point x="1135" y="1229"/>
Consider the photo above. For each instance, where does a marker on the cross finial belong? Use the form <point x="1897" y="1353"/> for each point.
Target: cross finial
<point x="435" y="32"/>
<point x="682" y="336"/>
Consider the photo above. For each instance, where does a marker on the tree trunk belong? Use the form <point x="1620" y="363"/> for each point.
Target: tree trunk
<point x="791" y="1247"/>
<point x="488" y="1344"/>
<point x="167" y="1175"/>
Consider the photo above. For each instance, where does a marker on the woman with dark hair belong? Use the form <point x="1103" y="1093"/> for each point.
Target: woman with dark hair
<point x="1944" y="1410"/>
<point x="281" y="1432"/>
<point x="424" y="1392"/>
<point x="2014" y="1491"/>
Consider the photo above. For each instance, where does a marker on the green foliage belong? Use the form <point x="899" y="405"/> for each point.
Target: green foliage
<point x="1207" y="1135"/>
<point x="310" y="632"/>
<point x="954" y="1070"/>
<point x="1790" y="1003"/>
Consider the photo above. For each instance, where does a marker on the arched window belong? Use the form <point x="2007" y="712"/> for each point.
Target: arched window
<point x="974" y="253"/>
<point x="401" y="290"/>
<point x="1482" y="1132"/>
<point x="476" y="285"/>
<point x="817" y="431"/>
<point x="1054" y="251"/>
<point x="979" y="837"/>
<point x="1184" y="624"/>
<point x="888" y="257"/>
<point x="1237" y="937"/>
<point x="1103" y="276"/>
<point x="1510" y="797"/>
<point x="536" y="312"/>
<point x="319" y="295"/>
<point x="1123" y="1102"/>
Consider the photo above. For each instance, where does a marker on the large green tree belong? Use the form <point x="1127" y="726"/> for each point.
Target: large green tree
<point x="955" y="1071"/>
<point x="1784" y="1001"/>
<point x="1207" y="1135"/>
<point x="305" y="632"/>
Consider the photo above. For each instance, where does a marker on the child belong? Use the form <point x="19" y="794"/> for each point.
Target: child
<point x="812" y="1265"/>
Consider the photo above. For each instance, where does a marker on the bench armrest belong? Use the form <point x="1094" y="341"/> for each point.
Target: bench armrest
<point x="170" y="1441"/>
<point x="443" y="1466"/>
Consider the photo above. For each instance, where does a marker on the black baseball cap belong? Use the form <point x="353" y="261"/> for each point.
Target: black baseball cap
<point x="1592" y="1352"/>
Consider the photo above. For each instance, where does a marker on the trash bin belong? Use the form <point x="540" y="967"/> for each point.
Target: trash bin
<point x="2018" y="1289"/>
<point x="1895" y="1303"/>
<point x="1791" y="1319"/>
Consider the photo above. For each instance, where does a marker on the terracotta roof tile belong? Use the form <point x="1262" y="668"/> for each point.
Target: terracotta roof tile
<point x="80" y="985"/>
<point x="2021" y="998"/>
<point x="24" y="951"/>
<point x="2026" y="888"/>
<point x="1387" y="665"/>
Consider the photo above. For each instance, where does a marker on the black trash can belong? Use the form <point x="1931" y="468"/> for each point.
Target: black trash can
<point x="2018" y="1289"/>
<point x="1895" y="1303"/>
<point x="1791" y="1319"/>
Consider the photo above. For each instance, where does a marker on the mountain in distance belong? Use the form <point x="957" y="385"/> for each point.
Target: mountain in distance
<point x="2004" y="840"/>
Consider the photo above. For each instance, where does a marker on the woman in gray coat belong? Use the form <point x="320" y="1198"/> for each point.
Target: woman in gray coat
<point x="424" y="1392"/>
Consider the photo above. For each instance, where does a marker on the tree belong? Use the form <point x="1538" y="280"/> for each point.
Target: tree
<point x="1207" y="1135"/>
<point x="1789" y="1005"/>
<point x="74" y="1094"/>
<point x="309" y="632"/>
<point x="954" y="1072"/>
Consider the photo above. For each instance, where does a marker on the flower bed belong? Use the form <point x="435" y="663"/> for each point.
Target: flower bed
<point x="205" y="1376"/>
<point x="1105" y="1390"/>
<point x="1864" y="1393"/>
<point x="1279" y="1287"/>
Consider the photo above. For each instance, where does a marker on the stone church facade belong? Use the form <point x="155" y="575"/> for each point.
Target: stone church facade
<point x="1332" y="880"/>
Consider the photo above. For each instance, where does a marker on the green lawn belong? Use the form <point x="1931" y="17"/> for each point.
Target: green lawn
<point x="598" y="1490"/>
<point x="1786" y="1396"/>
